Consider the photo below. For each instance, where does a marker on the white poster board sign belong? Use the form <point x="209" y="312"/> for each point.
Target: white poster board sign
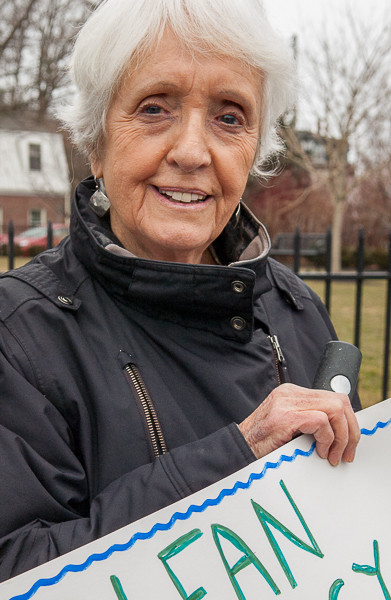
<point x="289" y="525"/>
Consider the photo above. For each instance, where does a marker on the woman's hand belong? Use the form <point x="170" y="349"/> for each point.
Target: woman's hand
<point x="290" y="410"/>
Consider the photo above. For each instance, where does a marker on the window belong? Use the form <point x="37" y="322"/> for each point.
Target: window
<point x="37" y="217"/>
<point x="35" y="157"/>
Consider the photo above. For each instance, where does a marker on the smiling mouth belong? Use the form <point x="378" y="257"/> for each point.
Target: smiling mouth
<point x="182" y="197"/>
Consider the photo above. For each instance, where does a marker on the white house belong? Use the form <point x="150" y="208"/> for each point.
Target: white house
<point x="34" y="176"/>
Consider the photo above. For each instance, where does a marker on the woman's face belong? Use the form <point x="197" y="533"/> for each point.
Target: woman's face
<point x="181" y="136"/>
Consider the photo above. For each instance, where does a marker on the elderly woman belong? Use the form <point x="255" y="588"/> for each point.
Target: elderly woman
<point x="150" y="354"/>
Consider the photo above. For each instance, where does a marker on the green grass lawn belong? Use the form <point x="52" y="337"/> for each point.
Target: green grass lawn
<point x="343" y="300"/>
<point x="19" y="261"/>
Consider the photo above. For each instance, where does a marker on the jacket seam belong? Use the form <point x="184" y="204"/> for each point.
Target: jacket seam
<point x="56" y="287"/>
<point x="181" y="487"/>
<point x="18" y="340"/>
<point x="19" y="305"/>
<point x="80" y="283"/>
<point x="31" y="280"/>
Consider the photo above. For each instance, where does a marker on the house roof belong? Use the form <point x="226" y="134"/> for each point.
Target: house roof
<point x="27" y="121"/>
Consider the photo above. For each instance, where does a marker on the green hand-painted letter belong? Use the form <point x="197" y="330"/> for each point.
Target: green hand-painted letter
<point x="247" y="559"/>
<point x="173" y="549"/>
<point x="267" y="519"/>
<point x="374" y="571"/>
<point x="115" y="582"/>
<point x="335" y="589"/>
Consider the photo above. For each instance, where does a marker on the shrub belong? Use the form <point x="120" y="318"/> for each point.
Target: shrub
<point x="376" y="258"/>
<point x="379" y="258"/>
<point x="34" y="250"/>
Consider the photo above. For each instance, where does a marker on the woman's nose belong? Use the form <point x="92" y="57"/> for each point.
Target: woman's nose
<point x="189" y="149"/>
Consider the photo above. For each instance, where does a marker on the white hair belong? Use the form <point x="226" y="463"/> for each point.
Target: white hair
<point x="121" y="31"/>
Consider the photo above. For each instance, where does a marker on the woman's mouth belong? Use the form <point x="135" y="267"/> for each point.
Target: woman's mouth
<point x="183" y="197"/>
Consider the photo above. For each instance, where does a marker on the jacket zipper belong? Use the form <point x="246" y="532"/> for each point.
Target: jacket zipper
<point x="278" y="356"/>
<point x="155" y="431"/>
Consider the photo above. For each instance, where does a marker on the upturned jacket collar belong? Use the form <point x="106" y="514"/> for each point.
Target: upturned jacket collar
<point x="218" y="298"/>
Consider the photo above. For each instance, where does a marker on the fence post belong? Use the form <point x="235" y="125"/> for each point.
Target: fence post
<point x="327" y="295"/>
<point x="386" y="370"/>
<point x="296" y="249"/>
<point x="360" y="269"/>
<point x="11" y="245"/>
<point x="50" y="236"/>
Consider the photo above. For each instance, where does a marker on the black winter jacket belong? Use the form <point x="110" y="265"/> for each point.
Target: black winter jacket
<point x="85" y="448"/>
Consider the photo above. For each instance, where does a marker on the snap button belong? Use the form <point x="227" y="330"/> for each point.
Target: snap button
<point x="238" y="286"/>
<point x="65" y="300"/>
<point x="238" y="323"/>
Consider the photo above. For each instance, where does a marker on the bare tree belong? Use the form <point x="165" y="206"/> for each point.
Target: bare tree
<point x="14" y="21"/>
<point x="36" y="38"/>
<point x="370" y="204"/>
<point x="14" y="17"/>
<point x="55" y="27"/>
<point x="348" y="96"/>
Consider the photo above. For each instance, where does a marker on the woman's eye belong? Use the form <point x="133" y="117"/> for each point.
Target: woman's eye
<point x="230" y="120"/>
<point x="153" y="110"/>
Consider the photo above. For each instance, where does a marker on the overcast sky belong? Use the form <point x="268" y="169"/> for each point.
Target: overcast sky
<point x="306" y="18"/>
<point x="296" y="16"/>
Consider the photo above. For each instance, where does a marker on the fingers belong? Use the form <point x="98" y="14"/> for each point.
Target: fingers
<point x="354" y="432"/>
<point x="344" y="428"/>
<point x="316" y="423"/>
<point x="338" y="420"/>
<point x="290" y="409"/>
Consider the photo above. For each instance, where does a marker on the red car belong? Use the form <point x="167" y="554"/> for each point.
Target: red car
<point x="34" y="240"/>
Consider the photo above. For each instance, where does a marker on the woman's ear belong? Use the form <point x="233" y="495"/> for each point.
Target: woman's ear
<point x="96" y="165"/>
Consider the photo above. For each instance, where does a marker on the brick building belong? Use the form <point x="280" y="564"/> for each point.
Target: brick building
<point x="295" y="197"/>
<point x="34" y="176"/>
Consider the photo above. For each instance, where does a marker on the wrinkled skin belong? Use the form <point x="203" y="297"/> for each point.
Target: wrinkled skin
<point x="179" y="124"/>
<point x="290" y="410"/>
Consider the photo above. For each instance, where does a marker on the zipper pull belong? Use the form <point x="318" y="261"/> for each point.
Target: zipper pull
<point x="277" y="348"/>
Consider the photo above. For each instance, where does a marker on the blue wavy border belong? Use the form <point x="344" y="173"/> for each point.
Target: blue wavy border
<point x="379" y="425"/>
<point x="177" y="516"/>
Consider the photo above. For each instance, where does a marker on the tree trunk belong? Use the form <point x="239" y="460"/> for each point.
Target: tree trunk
<point x="336" y="246"/>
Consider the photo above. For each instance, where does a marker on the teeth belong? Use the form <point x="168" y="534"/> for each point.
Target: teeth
<point x="182" y="196"/>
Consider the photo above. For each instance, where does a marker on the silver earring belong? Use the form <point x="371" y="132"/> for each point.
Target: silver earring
<point x="237" y="212"/>
<point x="99" y="202"/>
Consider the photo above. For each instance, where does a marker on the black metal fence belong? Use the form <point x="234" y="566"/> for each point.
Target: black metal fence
<point x="359" y="275"/>
<point x="8" y="242"/>
<point x="298" y="248"/>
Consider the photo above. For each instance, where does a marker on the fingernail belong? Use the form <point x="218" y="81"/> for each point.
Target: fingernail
<point x="350" y="457"/>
